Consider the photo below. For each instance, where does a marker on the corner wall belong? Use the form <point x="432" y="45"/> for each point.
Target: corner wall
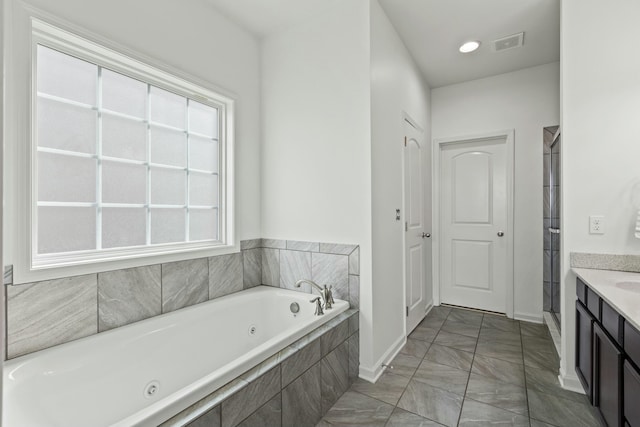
<point x="527" y="101"/>
<point x="316" y="153"/>
<point x="600" y="140"/>
<point x="397" y="88"/>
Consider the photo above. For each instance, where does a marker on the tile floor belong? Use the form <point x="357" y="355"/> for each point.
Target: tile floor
<point x="462" y="368"/>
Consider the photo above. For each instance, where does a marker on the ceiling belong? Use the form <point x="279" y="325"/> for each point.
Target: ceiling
<point x="433" y="30"/>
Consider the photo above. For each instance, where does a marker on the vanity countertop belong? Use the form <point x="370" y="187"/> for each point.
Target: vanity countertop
<point x="620" y="289"/>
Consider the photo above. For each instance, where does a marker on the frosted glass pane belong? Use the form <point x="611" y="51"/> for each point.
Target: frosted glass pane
<point x="66" y="178"/>
<point x="168" y="186"/>
<point x="123" y="94"/>
<point x="168" y="108"/>
<point x="124" y="183"/>
<point x="203" y="190"/>
<point x="124" y="227"/>
<point x="168" y="147"/>
<point x="64" y="229"/>
<point x="203" y="154"/>
<point x="203" y="119"/>
<point x="66" y="127"/>
<point x="124" y="138"/>
<point x="203" y="224"/>
<point x="65" y="76"/>
<point x="167" y="225"/>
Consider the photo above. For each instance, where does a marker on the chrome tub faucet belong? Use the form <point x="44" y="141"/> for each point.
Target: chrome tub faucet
<point x="325" y="293"/>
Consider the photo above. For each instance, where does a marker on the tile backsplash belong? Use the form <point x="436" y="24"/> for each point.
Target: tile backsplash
<point x="48" y="313"/>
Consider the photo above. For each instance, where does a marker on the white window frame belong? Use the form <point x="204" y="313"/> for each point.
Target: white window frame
<point x="29" y="267"/>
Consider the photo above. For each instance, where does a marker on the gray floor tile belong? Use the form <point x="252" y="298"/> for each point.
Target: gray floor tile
<point x="431" y="402"/>
<point x="498" y="369"/>
<point x="501" y="323"/>
<point x="502" y="351"/>
<point x="530" y="343"/>
<point x="355" y="409"/>
<point x="534" y="330"/>
<point x="440" y="312"/>
<point x="466" y="316"/>
<point x="450" y="357"/>
<point x="424" y="333"/>
<point x="541" y="359"/>
<point x="559" y="411"/>
<point x="442" y="376"/>
<point x="480" y="414"/>
<point x="402" y="418"/>
<point x="388" y="388"/>
<point x="456" y="327"/>
<point x="461" y="342"/>
<point x="405" y="365"/>
<point x="546" y="381"/>
<point x="415" y="348"/>
<point x="432" y="322"/>
<point x="495" y="335"/>
<point x="536" y="423"/>
<point x="498" y="393"/>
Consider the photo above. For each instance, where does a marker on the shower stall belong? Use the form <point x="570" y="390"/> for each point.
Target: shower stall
<point x="551" y="185"/>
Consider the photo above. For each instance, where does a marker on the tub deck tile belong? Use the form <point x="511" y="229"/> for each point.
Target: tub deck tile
<point x="295" y="365"/>
<point x="334" y="370"/>
<point x="334" y="337"/>
<point x="269" y="414"/>
<point x="243" y="403"/>
<point x="209" y="419"/>
<point x="225" y="275"/>
<point x="184" y="283"/>
<point x="301" y="400"/>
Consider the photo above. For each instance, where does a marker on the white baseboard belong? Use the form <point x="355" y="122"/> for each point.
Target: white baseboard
<point x="570" y="382"/>
<point x="372" y="373"/>
<point x="528" y="317"/>
<point x="428" y="309"/>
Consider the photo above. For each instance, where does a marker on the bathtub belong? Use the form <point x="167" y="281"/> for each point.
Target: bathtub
<point x="143" y="373"/>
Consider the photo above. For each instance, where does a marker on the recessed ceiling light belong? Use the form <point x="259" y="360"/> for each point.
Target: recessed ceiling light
<point x="469" y="46"/>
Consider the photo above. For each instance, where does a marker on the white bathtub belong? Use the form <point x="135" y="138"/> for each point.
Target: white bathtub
<point x="101" y="380"/>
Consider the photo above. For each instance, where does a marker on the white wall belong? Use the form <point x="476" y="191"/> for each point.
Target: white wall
<point x="525" y="100"/>
<point x="600" y="138"/>
<point x="194" y="38"/>
<point x="316" y="154"/>
<point x="397" y="87"/>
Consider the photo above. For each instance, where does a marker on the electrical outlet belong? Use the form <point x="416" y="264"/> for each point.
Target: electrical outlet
<point x="596" y="224"/>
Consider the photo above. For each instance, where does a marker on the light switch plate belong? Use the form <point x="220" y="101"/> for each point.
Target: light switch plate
<point x="596" y="224"/>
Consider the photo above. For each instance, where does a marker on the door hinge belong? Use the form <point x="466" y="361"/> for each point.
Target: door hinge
<point x="406" y="226"/>
<point x="407" y="311"/>
<point x="405" y="141"/>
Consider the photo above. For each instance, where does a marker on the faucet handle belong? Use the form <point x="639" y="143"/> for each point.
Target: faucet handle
<point x="318" y="311"/>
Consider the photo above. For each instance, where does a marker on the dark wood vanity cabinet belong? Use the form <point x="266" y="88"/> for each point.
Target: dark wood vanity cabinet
<point x="607" y="377"/>
<point x="607" y="359"/>
<point x="584" y="348"/>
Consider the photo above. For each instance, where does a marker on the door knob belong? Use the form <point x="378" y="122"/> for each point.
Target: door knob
<point x="500" y="233"/>
<point x="423" y="235"/>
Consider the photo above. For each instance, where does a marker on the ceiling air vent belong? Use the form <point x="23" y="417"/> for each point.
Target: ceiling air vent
<point x="508" y="42"/>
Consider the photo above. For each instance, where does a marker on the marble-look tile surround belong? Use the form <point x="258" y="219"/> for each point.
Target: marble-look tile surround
<point x="48" y="313"/>
<point x="294" y="387"/>
<point x="281" y="263"/>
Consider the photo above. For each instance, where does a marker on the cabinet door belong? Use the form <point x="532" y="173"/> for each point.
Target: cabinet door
<point x="607" y="377"/>
<point x="584" y="349"/>
<point x="631" y="380"/>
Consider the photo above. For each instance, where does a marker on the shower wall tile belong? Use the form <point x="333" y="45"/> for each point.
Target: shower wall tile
<point x="127" y="296"/>
<point x="546" y="169"/>
<point x="331" y="270"/>
<point x="546" y="296"/>
<point x="8" y="275"/>
<point x="44" y="314"/>
<point x="295" y="265"/>
<point x="546" y="223"/>
<point x="546" y="202"/>
<point x="354" y="262"/>
<point x="546" y="266"/>
<point x="336" y="248"/>
<point x="184" y="283"/>
<point x="252" y="267"/>
<point x="271" y="267"/>
<point x="354" y="291"/>
<point x="295" y="245"/>
<point x="225" y="275"/>
<point x="274" y="244"/>
<point x="555" y="211"/>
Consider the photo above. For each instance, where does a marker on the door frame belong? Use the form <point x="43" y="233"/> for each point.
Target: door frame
<point x="407" y="120"/>
<point x="438" y="144"/>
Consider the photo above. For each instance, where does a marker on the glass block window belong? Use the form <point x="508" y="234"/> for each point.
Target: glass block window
<point x="120" y="162"/>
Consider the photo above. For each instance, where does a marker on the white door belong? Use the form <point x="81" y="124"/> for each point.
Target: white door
<point x="417" y="244"/>
<point x="474" y="192"/>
